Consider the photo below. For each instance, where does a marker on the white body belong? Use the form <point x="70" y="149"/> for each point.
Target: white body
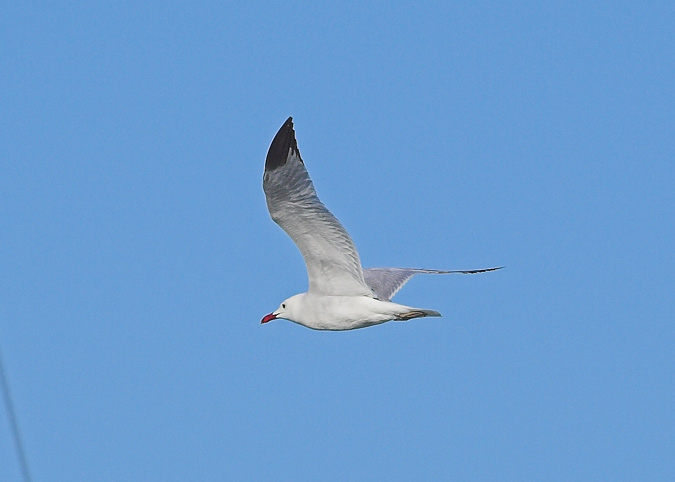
<point x="342" y="312"/>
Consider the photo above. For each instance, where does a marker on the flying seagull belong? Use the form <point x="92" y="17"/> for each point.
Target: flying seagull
<point x="342" y="295"/>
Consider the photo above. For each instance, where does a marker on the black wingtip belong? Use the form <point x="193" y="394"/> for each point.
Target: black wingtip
<point x="281" y="144"/>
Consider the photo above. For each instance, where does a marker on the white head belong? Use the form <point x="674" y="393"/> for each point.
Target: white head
<point x="286" y="310"/>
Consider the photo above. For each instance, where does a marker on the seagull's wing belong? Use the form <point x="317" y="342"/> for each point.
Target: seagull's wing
<point x="385" y="282"/>
<point x="333" y="264"/>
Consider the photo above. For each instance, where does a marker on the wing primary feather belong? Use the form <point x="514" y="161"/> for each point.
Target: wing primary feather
<point x="283" y="142"/>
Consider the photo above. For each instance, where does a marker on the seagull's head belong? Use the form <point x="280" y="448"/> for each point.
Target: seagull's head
<point x="284" y="311"/>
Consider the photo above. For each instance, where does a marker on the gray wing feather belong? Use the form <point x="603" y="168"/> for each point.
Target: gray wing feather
<point x="386" y="282"/>
<point x="333" y="264"/>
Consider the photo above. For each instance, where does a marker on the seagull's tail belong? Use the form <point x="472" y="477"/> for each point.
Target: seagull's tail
<point x="416" y="313"/>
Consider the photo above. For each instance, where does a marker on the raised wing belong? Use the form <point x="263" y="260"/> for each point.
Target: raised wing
<point x="333" y="264"/>
<point x="385" y="282"/>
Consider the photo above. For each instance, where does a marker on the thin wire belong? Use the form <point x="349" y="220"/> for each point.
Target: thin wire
<point x="14" y="424"/>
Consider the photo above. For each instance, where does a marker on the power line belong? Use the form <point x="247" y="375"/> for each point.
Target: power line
<point x="13" y="422"/>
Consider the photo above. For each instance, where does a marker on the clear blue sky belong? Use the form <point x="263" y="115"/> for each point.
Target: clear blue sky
<point x="137" y="255"/>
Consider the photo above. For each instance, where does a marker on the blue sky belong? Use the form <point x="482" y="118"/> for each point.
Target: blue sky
<point x="138" y="256"/>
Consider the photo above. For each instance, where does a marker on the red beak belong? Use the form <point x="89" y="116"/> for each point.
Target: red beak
<point x="269" y="317"/>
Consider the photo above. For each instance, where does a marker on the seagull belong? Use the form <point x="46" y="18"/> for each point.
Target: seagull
<point x="342" y="295"/>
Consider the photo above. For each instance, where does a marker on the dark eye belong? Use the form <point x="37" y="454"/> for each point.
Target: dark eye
<point x="283" y="305"/>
